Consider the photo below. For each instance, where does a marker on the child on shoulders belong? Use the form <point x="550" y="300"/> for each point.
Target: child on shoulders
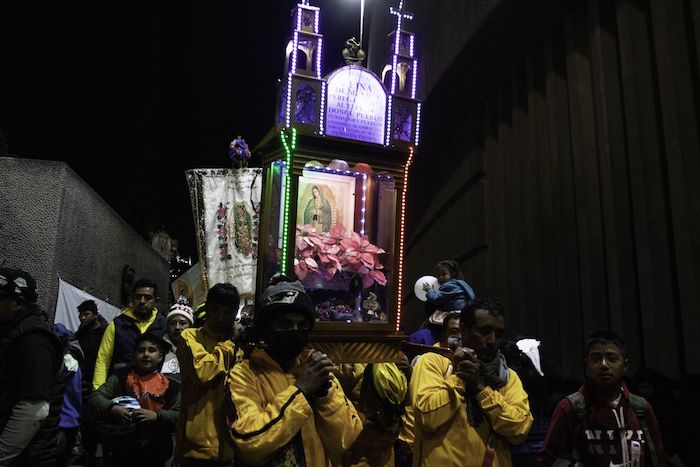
<point x="452" y="296"/>
<point x="454" y="292"/>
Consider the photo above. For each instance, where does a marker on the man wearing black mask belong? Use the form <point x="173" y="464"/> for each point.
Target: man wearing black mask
<point x="291" y="410"/>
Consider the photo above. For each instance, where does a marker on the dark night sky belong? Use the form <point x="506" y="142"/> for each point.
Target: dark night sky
<point x="130" y="94"/>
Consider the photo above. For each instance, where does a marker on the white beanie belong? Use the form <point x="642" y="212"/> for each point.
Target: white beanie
<point x="182" y="308"/>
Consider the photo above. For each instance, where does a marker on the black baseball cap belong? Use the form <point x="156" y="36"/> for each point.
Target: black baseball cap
<point x="284" y="296"/>
<point x="17" y="283"/>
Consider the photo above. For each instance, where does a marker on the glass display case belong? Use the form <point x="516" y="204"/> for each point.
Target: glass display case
<point x="344" y="238"/>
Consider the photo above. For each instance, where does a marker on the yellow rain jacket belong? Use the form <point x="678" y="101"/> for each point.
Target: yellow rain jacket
<point x="206" y="408"/>
<point x="407" y="434"/>
<point x="443" y="436"/>
<point x="271" y="410"/>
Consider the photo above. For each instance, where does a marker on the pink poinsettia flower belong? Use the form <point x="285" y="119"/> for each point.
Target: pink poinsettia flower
<point x="337" y="233"/>
<point x="329" y="249"/>
<point x="333" y="251"/>
<point x="307" y="234"/>
<point x="330" y="262"/>
<point x="378" y="276"/>
<point x="361" y="244"/>
<point x="333" y="238"/>
<point x="304" y="264"/>
<point x="359" y="251"/>
<point x="301" y="244"/>
<point x="306" y="230"/>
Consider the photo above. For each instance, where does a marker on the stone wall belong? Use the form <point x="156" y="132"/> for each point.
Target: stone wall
<point x="54" y="225"/>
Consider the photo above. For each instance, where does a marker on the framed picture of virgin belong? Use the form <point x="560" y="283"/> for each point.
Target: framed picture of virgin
<point x="326" y="199"/>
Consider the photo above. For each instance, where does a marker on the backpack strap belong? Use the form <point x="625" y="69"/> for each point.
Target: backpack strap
<point x="578" y="403"/>
<point x="639" y="404"/>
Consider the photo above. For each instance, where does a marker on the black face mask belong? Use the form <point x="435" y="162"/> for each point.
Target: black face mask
<point x="286" y="345"/>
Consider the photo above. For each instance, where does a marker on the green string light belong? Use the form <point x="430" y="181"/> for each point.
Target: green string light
<point x="286" y="192"/>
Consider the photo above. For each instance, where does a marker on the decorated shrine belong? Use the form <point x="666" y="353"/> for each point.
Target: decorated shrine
<point x="335" y="178"/>
<point x="328" y="206"/>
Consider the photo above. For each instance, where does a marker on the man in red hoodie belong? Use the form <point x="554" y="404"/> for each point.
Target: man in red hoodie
<point x="603" y="424"/>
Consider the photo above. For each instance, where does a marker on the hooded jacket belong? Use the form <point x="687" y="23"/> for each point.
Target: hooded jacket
<point x="452" y="295"/>
<point x="205" y="409"/>
<point x="443" y="435"/>
<point x="599" y="440"/>
<point x="118" y="349"/>
<point x="274" y="417"/>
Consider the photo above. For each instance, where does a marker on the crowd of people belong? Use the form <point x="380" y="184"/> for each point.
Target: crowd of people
<point x="154" y="388"/>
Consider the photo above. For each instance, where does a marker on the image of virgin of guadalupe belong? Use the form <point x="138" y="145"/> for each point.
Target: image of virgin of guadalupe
<point x="318" y="211"/>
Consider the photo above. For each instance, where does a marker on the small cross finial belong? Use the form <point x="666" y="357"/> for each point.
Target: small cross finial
<point x="399" y="12"/>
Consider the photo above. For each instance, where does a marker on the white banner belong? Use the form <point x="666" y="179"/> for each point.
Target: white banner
<point x="228" y="218"/>
<point x="69" y="297"/>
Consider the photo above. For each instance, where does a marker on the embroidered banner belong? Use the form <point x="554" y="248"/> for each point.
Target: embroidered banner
<point x="226" y="207"/>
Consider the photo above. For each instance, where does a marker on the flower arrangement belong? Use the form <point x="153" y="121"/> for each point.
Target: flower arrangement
<point x="239" y="153"/>
<point x="331" y="252"/>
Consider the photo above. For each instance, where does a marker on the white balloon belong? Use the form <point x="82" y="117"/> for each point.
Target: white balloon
<point x="418" y="288"/>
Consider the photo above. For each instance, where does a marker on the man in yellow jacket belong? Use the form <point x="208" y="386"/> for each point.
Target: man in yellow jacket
<point x="469" y="408"/>
<point x="119" y="339"/>
<point x="207" y="356"/>
<point x="290" y="409"/>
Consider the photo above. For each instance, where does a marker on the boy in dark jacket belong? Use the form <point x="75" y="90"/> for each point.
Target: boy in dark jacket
<point x="89" y="334"/>
<point x="603" y="424"/>
<point x="141" y="435"/>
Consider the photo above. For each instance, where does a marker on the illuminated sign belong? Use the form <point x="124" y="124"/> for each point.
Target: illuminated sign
<point x="356" y="106"/>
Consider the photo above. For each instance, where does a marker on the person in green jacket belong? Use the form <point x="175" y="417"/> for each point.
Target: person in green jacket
<point x="137" y="407"/>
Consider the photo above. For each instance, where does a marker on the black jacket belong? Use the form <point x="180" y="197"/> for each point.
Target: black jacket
<point x="90" y="343"/>
<point x="42" y="448"/>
